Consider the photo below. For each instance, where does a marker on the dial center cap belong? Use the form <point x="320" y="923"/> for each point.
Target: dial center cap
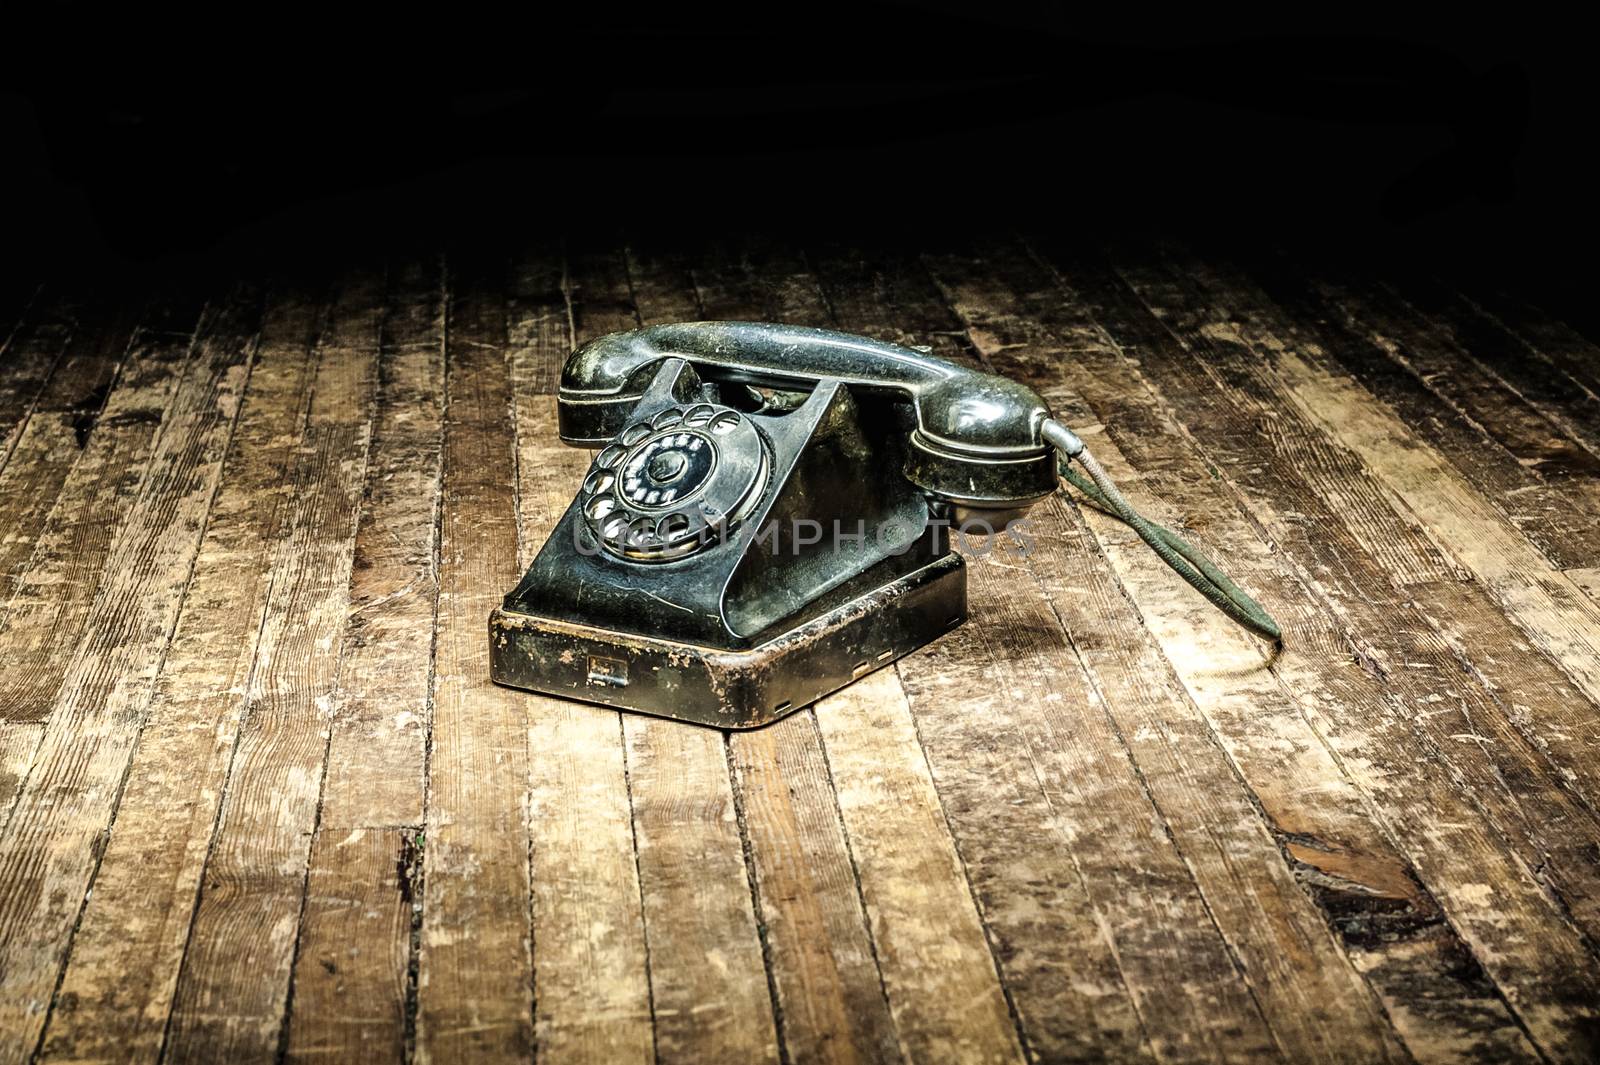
<point x="666" y="466"/>
<point x="664" y="470"/>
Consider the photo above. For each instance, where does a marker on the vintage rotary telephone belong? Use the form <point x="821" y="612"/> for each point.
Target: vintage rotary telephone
<point x="768" y="518"/>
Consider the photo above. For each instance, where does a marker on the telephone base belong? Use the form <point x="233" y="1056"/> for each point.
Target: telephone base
<point x="731" y="689"/>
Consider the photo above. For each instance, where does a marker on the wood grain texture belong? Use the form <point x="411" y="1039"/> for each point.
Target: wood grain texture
<point x="921" y="1004"/>
<point x="229" y="1002"/>
<point x="1060" y="970"/>
<point x="1516" y="457"/>
<point x="31" y="351"/>
<point x="475" y="961"/>
<point x="930" y="939"/>
<point x="48" y="444"/>
<point x="1535" y="594"/>
<point x="1484" y="743"/>
<point x="1364" y="889"/>
<point x="821" y="956"/>
<point x="118" y="989"/>
<point x="352" y="980"/>
<point x="51" y="598"/>
<point x="1400" y="771"/>
<point x="1544" y="361"/>
<point x="18" y="299"/>
<point x="1313" y="1000"/>
<point x="1436" y="996"/>
<point x="56" y="833"/>
<point x="1530" y="702"/>
<point x="263" y="802"/>
<point x="1535" y="695"/>
<point x="592" y="1001"/>
<point x="56" y="434"/>
<point x="1235" y="1027"/>
<point x="1547" y="363"/>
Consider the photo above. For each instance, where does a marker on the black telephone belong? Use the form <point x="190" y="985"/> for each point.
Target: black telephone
<point x="769" y="517"/>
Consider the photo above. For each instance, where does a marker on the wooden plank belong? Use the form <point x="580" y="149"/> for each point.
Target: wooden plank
<point x="55" y="436"/>
<point x="1316" y="1004"/>
<point x="117" y="991"/>
<point x="1558" y="369"/>
<point x="539" y="320"/>
<point x="351" y="987"/>
<point x="1325" y="666"/>
<point x="1482" y="886"/>
<point x="718" y="271"/>
<point x="1546" y="485"/>
<point x="1077" y="955"/>
<point x="30" y="353"/>
<point x="707" y="976"/>
<point x="930" y="940"/>
<point x="1514" y="785"/>
<point x="1573" y="353"/>
<point x="1547" y="363"/>
<point x="1400" y="665"/>
<point x="1431" y="987"/>
<point x="599" y="290"/>
<point x="823" y="963"/>
<point x="53" y="592"/>
<point x="1364" y="889"/>
<point x="1533" y="691"/>
<point x="1057" y="968"/>
<point x="475" y="964"/>
<point x="706" y="973"/>
<point x="1292" y="356"/>
<point x="1147" y="720"/>
<point x="590" y="972"/>
<point x="1138" y="923"/>
<point x="231" y="991"/>
<point x="18" y="300"/>
<point x="54" y="587"/>
<point x="831" y="1004"/>
<point x="1535" y="695"/>
<point x="53" y="842"/>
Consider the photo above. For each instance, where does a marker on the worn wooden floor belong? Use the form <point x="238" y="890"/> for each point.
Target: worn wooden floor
<point x="260" y="800"/>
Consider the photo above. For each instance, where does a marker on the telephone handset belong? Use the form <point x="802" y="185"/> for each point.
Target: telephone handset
<point x="768" y="517"/>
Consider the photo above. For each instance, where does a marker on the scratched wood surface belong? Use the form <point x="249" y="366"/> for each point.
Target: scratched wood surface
<point x="259" y="801"/>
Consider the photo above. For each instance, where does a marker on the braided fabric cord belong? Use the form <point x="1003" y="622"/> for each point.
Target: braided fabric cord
<point x="1185" y="559"/>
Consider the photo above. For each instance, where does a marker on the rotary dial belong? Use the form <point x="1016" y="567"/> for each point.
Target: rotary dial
<point x="675" y="482"/>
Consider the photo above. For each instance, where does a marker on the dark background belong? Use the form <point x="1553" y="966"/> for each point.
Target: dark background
<point x="1461" y="147"/>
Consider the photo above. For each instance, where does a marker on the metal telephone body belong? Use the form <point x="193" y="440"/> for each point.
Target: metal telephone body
<point x="766" y="519"/>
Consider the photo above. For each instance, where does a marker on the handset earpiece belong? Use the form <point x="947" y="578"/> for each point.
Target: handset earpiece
<point x="977" y="442"/>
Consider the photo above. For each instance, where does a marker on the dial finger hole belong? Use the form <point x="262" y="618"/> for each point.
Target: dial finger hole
<point x="642" y="531"/>
<point x="600" y="506"/>
<point x="611" y="455"/>
<point x="724" y="423"/>
<point x="616" y="528"/>
<point x="698" y="415"/>
<point x="633" y="434"/>
<point x="670" y="416"/>
<point x="672" y="526"/>
<point x="599" y="481"/>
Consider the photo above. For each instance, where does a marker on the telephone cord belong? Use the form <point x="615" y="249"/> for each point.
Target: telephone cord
<point x="1185" y="559"/>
